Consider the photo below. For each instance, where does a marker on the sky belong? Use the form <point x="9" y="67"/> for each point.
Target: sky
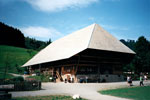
<point x="53" y="19"/>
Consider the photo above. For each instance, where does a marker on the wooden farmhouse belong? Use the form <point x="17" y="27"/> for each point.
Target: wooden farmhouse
<point x="90" y="54"/>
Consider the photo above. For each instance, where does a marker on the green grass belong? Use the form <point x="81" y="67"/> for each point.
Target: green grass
<point x="56" y="97"/>
<point x="13" y="56"/>
<point x="8" y="76"/>
<point x="136" y="93"/>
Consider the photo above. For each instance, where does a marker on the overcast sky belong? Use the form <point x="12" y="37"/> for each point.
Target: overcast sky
<point x="44" y="19"/>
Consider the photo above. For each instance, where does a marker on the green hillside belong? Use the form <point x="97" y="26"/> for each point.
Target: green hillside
<point x="14" y="57"/>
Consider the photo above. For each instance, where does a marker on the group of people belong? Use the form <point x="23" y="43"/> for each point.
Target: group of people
<point x="142" y="78"/>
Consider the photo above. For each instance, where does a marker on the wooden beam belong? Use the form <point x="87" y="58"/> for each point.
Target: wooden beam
<point x="88" y="56"/>
<point x="40" y="68"/>
<point x="77" y="64"/>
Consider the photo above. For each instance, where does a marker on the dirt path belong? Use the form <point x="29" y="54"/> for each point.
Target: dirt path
<point x="85" y="90"/>
<point x="16" y="75"/>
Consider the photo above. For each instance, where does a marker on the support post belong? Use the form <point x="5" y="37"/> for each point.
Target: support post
<point x="77" y="64"/>
<point x="40" y="68"/>
<point x="77" y="67"/>
<point x="98" y="64"/>
<point x="30" y="70"/>
<point x="40" y="71"/>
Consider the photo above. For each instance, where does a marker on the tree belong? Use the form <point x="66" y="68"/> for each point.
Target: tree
<point x="141" y="62"/>
<point x="19" y="69"/>
<point x="31" y="43"/>
<point x="11" y="36"/>
<point x="142" y="49"/>
<point x="129" y="43"/>
<point x="49" y="42"/>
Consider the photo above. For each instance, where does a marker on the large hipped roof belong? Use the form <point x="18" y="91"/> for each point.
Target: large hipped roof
<point x="93" y="37"/>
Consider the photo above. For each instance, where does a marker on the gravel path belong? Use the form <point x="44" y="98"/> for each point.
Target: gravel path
<point x="85" y="90"/>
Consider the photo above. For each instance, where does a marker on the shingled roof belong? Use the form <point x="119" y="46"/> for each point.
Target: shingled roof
<point x="93" y="37"/>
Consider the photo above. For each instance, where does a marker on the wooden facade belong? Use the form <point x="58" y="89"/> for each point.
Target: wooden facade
<point x="90" y="54"/>
<point x="90" y="65"/>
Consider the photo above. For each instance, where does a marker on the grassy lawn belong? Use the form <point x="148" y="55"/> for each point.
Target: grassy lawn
<point x="55" y="97"/>
<point x="14" y="57"/>
<point x="136" y="93"/>
<point x="8" y="76"/>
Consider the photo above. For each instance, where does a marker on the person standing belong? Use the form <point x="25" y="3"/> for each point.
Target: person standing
<point x="129" y="80"/>
<point x="141" y="81"/>
<point x="145" y="77"/>
<point x="86" y="79"/>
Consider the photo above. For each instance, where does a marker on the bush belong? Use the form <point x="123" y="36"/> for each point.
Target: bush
<point x="23" y="85"/>
<point x="37" y="72"/>
<point x="27" y="85"/>
<point x="18" y="79"/>
<point x="42" y="77"/>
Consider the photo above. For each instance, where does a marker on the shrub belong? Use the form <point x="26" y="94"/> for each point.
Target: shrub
<point x="22" y="85"/>
<point x="27" y="85"/>
<point x="18" y="79"/>
<point x="37" y="72"/>
<point x="42" y="77"/>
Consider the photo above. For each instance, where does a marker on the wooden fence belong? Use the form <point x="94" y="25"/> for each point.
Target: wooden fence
<point x="21" y="86"/>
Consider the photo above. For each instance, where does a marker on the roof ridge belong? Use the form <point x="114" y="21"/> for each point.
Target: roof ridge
<point x="91" y="35"/>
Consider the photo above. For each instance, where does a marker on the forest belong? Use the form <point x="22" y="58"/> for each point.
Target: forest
<point x="14" y="37"/>
<point x="141" y="62"/>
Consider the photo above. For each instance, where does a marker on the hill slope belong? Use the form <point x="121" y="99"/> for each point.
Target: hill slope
<point x="14" y="57"/>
